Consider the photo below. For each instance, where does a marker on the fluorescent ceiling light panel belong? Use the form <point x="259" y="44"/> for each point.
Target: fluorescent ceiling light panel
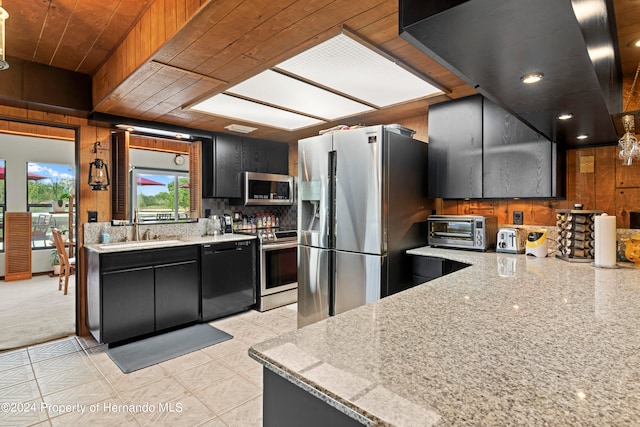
<point x="153" y="131"/>
<point x="232" y="107"/>
<point x="277" y="89"/>
<point x="347" y="66"/>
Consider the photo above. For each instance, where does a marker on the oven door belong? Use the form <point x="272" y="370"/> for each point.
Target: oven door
<point x="451" y="232"/>
<point x="278" y="267"/>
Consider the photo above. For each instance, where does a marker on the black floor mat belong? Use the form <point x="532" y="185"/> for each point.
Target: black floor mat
<point x="150" y="351"/>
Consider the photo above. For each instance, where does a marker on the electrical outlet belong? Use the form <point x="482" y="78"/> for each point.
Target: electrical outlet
<point x="518" y="217"/>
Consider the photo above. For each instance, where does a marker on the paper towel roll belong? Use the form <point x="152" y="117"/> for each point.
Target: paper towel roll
<point x="605" y="240"/>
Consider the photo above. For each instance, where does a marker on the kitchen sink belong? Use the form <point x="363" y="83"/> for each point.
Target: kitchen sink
<point x="142" y="244"/>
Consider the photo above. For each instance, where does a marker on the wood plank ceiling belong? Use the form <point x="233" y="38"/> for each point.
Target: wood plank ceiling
<point x="151" y="58"/>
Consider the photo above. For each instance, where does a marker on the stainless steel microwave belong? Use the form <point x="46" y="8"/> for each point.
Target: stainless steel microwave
<point x="463" y="231"/>
<point x="267" y="189"/>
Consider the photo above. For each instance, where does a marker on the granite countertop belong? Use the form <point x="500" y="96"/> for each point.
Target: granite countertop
<point x="164" y="243"/>
<point x="510" y="340"/>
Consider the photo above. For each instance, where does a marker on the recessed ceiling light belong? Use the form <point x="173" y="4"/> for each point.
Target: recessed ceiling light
<point x="583" y="136"/>
<point x="531" y="78"/>
<point x="565" y="116"/>
<point x="634" y="43"/>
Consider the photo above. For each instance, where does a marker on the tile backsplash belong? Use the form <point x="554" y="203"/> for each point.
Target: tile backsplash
<point x="121" y="233"/>
<point x="287" y="214"/>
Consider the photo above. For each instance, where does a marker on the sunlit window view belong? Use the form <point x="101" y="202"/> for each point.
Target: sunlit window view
<point x="49" y="186"/>
<point x="161" y="195"/>
<point x="2" y="204"/>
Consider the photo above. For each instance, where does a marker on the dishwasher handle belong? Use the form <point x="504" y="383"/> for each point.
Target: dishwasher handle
<point x="214" y="248"/>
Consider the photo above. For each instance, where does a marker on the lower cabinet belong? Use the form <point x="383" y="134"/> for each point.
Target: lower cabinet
<point x="127" y="304"/>
<point x="134" y="293"/>
<point x="427" y="268"/>
<point x="177" y="294"/>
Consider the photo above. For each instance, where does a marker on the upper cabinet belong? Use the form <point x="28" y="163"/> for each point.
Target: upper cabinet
<point x="478" y="150"/>
<point x="516" y="160"/>
<point x="455" y="149"/>
<point x="227" y="156"/>
<point x="261" y="155"/>
<point x="228" y="166"/>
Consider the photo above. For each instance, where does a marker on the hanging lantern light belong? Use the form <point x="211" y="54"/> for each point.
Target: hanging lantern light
<point x="3" y="17"/>
<point x="98" y="171"/>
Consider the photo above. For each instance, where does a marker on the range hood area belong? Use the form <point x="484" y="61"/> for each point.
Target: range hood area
<point x="491" y="44"/>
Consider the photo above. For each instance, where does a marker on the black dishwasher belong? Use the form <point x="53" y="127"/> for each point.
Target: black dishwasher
<point x="229" y="276"/>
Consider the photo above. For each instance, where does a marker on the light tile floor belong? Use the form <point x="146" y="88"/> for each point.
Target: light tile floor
<point x="51" y="384"/>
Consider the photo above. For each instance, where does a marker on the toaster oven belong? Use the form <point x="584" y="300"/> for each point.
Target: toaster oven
<point x="475" y="232"/>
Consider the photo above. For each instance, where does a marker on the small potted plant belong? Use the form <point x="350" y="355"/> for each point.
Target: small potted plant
<point x="60" y="196"/>
<point x="59" y="204"/>
<point x="55" y="262"/>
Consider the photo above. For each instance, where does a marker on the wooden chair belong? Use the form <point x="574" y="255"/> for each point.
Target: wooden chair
<point x="67" y="265"/>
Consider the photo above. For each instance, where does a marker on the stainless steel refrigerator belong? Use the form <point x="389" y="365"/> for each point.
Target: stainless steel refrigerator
<point x="361" y="204"/>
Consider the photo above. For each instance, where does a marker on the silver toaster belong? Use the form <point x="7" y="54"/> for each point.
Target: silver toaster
<point x="511" y="240"/>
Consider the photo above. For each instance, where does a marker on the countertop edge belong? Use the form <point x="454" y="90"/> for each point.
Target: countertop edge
<point x="104" y="248"/>
<point x="347" y="408"/>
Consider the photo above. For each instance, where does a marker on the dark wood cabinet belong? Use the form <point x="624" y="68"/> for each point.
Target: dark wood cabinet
<point x="227" y="156"/>
<point x="517" y="160"/>
<point x="254" y="155"/>
<point x="455" y="149"/>
<point x="278" y="160"/>
<point x="261" y="155"/>
<point x="134" y="293"/>
<point x="228" y="166"/>
<point x="127" y="304"/>
<point x="479" y="150"/>
<point x="177" y="294"/>
<point x="426" y="268"/>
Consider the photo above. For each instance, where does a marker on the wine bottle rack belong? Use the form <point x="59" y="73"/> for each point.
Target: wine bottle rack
<point x="576" y="234"/>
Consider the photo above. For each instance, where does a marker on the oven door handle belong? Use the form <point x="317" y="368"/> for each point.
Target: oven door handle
<point x="274" y="246"/>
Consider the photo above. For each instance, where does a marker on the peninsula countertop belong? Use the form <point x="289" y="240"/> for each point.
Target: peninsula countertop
<point x="510" y="340"/>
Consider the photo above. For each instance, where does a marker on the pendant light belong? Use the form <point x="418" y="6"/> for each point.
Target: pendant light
<point x="98" y="171"/>
<point x="3" y="17"/>
<point x="628" y="143"/>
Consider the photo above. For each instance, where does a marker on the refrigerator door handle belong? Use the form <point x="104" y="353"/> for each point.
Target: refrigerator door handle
<point x="332" y="283"/>
<point x="331" y="222"/>
<point x="331" y="202"/>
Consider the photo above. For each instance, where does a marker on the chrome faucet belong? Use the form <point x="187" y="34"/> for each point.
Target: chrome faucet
<point x="136" y="224"/>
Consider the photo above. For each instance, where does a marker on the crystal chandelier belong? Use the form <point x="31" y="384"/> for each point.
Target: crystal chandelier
<point x="629" y="149"/>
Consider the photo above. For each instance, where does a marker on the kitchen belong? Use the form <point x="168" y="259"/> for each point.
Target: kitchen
<point x="604" y="193"/>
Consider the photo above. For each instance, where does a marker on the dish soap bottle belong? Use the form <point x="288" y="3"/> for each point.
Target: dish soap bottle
<point x="104" y="236"/>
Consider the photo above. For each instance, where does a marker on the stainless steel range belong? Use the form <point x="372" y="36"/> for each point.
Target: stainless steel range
<point x="278" y="268"/>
